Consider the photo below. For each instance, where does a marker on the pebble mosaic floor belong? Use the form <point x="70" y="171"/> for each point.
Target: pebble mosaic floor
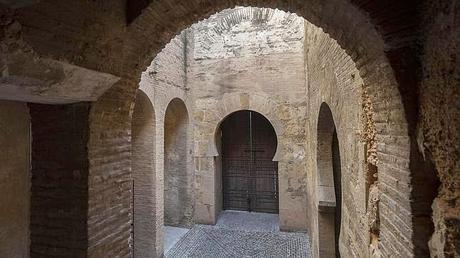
<point x="241" y="234"/>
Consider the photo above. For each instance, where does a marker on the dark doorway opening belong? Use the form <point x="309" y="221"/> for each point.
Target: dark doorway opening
<point x="338" y="190"/>
<point x="249" y="174"/>
<point x="329" y="184"/>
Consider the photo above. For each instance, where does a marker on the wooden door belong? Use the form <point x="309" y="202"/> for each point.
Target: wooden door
<point x="250" y="177"/>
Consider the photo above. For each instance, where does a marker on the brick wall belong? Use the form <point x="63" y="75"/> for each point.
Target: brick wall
<point x="14" y="179"/>
<point x="59" y="192"/>
<point x="164" y="80"/>
<point x="95" y="35"/>
<point x="334" y="79"/>
<point x="110" y="176"/>
<point x="144" y="177"/>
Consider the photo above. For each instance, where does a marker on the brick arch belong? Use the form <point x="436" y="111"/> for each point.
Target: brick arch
<point x="351" y="27"/>
<point x="328" y="185"/>
<point x="232" y="17"/>
<point x="325" y="131"/>
<point x="258" y="103"/>
<point x="356" y="34"/>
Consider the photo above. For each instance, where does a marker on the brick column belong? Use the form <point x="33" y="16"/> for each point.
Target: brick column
<point x="81" y="177"/>
<point x="110" y="177"/>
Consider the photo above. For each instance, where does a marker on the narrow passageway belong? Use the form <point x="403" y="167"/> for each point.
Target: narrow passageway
<point x="239" y="234"/>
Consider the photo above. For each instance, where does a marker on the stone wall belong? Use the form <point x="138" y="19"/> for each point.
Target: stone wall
<point x="250" y="59"/>
<point x="14" y="179"/>
<point x="95" y="35"/>
<point x="439" y="123"/>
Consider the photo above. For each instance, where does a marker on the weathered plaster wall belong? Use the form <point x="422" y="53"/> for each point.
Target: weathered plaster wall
<point x="14" y="179"/>
<point x="439" y="124"/>
<point x="334" y="79"/>
<point x="250" y="58"/>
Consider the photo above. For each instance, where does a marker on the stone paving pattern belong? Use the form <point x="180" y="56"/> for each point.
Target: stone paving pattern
<point x="248" y="221"/>
<point x="240" y="234"/>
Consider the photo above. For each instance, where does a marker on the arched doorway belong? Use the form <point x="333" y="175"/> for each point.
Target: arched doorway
<point x="249" y="174"/>
<point x="143" y="166"/>
<point x="329" y="184"/>
<point x="178" y="201"/>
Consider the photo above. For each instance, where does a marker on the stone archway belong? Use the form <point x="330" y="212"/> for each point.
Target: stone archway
<point x="366" y="47"/>
<point x="144" y="176"/>
<point x="232" y="103"/>
<point x="341" y="19"/>
<point x="329" y="190"/>
<point x="178" y="196"/>
<point x="292" y="210"/>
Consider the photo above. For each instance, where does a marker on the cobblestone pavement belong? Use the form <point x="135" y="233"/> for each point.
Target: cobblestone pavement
<point x="224" y="241"/>
<point x="248" y="221"/>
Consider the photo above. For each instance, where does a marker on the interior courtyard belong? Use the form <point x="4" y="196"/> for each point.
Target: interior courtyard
<point x="260" y="128"/>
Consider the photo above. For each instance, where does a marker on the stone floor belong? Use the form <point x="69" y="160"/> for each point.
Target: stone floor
<point x="241" y="234"/>
<point x="172" y="236"/>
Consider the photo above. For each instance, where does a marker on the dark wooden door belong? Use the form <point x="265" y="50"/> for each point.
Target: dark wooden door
<point x="250" y="177"/>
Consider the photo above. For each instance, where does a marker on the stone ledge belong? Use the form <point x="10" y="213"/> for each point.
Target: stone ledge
<point x="326" y="199"/>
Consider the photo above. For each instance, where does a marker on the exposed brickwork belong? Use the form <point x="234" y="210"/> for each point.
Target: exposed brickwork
<point x="59" y="193"/>
<point x="144" y="177"/>
<point x="110" y="179"/>
<point x="95" y="35"/>
<point x="14" y="179"/>
<point x="165" y="80"/>
<point x="334" y="79"/>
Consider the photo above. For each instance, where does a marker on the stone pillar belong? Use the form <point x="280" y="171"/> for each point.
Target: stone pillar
<point x="207" y="206"/>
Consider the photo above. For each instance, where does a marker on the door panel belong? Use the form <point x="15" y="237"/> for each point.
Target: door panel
<point x="235" y="161"/>
<point x="250" y="177"/>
